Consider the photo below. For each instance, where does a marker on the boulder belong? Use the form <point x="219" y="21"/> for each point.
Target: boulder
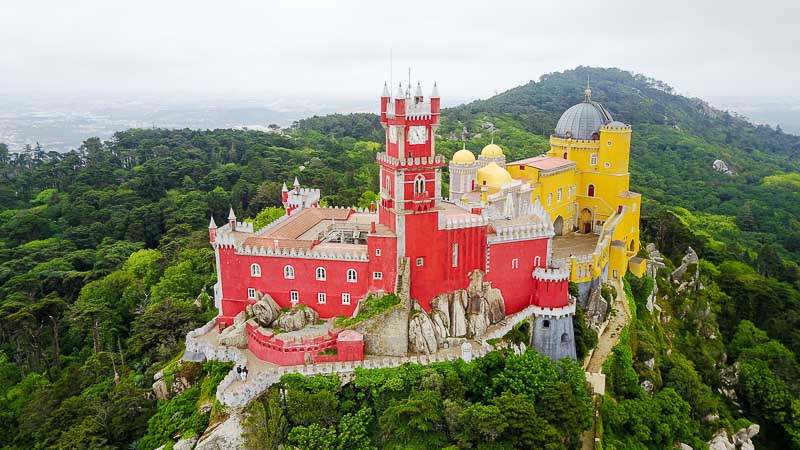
<point x="683" y="446"/>
<point x="234" y="336"/>
<point x="223" y="436"/>
<point x="648" y="387"/>
<point x="721" y="441"/>
<point x="185" y="444"/>
<point x="296" y="319"/>
<point x="265" y="310"/>
<point x="441" y="327"/>
<point x="496" y="305"/>
<point x="160" y="388"/>
<point x="650" y="363"/>
<point x="722" y="167"/>
<point x="458" y="316"/>
<point x="442" y="303"/>
<point x="421" y="334"/>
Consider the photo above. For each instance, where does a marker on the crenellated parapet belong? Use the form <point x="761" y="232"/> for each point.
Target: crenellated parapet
<point x="315" y="253"/>
<point x="520" y="232"/>
<point x="551" y="274"/>
<point x="434" y="161"/>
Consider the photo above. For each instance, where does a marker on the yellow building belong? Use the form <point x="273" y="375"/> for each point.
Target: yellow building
<point x="582" y="184"/>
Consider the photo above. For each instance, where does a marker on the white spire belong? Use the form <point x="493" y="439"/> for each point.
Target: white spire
<point x="435" y="93"/>
<point x="211" y="224"/>
<point x="296" y="182"/>
<point x="231" y="215"/>
<point x="385" y="90"/>
<point x="418" y="92"/>
<point x="400" y="93"/>
<point x="284" y="188"/>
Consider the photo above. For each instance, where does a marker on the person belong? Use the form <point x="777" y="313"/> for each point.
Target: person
<point x="244" y="373"/>
<point x="239" y="372"/>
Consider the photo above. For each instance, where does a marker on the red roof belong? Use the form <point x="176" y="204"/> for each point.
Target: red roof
<point x="543" y="162"/>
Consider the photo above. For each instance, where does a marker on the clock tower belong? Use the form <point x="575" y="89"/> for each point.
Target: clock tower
<point x="410" y="169"/>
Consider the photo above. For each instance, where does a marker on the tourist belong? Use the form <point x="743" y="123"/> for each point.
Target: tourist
<point x="239" y="372"/>
<point x="244" y="373"/>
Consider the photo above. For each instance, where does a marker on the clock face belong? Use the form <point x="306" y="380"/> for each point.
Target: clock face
<point x="393" y="134"/>
<point x="417" y="135"/>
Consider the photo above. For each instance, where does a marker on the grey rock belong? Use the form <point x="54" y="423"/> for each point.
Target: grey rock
<point x="650" y="363"/>
<point x="648" y="387"/>
<point x="442" y="303"/>
<point x="721" y="441"/>
<point x="685" y="446"/>
<point x="265" y="310"/>
<point x="234" y="336"/>
<point x="160" y="388"/>
<point x="440" y="326"/>
<point x="296" y="319"/>
<point x="458" y="317"/>
<point x="223" y="436"/>
<point x="186" y="444"/>
<point x="421" y="334"/>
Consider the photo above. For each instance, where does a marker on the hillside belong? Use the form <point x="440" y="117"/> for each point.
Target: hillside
<point x="104" y="266"/>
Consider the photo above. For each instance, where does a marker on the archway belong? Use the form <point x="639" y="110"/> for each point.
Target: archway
<point x="633" y="246"/>
<point x="558" y="226"/>
<point x="586" y="220"/>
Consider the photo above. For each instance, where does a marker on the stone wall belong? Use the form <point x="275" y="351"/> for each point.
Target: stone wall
<point x="554" y="337"/>
<point x="386" y="333"/>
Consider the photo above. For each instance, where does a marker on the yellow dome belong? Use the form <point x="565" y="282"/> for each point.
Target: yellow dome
<point x="494" y="176"/>
<point x="491" y="151"/>
<point x="463" y="156"/>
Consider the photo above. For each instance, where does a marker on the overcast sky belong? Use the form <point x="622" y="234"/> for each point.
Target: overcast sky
<point x="340" y="49"/>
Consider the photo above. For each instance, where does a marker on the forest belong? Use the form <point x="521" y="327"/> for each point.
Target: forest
<point x="105" y="265"/>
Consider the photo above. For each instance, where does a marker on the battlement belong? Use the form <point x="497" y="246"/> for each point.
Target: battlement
<point x="434" y="161"/>
<point x="552" y="274"/>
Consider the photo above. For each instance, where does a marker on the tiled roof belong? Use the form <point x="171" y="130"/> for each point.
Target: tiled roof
<point x="303" y="221"/>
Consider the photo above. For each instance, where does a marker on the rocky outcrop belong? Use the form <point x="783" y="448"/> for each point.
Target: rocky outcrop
<point x="728" y="380"/>
<point x="296" y="319"/>
<point x="265" y="310"/>
<point x="236" y="334"/>
<point x="722" y="167"/>
<point x="687" y="275"/>
<point x="226" y="435"/>
<point x="596" y="309"/>
<point x="177" y="379"/>
<point x="421" y="334"/>
<point x="463" y="313"/>
<point x="185" y="444"/>
<point x="742" y="439"/>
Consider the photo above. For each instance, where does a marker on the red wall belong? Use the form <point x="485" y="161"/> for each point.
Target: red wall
<point x="271" y="348"/>
<point x="437" y="275"/>
<point x="551" y="294"/>
<point x="516" y="284"/>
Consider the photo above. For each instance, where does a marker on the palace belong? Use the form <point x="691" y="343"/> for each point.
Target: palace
<point x="529" y="226"/>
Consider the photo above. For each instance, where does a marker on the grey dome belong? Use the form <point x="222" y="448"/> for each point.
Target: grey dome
<point x="582" y="120"/>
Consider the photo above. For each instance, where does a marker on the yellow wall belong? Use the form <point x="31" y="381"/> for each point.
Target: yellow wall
<point x="546" y="189"/>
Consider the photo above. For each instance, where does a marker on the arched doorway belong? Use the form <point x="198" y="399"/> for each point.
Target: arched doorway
<point x="590" y="190"/>
<point x="586" y="220"/>
<point x="558" y="226"/>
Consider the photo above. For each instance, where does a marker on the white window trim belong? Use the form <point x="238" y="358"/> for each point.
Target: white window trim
<point x="515" y="263"/>
<point x="294" y="296"/>
<point x="593" y="159"/>
<point x="345" y="298"/>
<point x="455" y="255"/>
<point x="377" y="275"/>
<point x="420" y="261"/>
<point x="251" y="293"/>
<point x="377" y="252"/>
<point x="559" y="194"/>
<point x="322" y="298"/>
<point x="255" y="270"/>
<point x="537" y="261"/>
<point x="355" y="276"/>
<point x="288" y="272"/>
<point x="323" y="276"/>
<point x="549" y="199"/>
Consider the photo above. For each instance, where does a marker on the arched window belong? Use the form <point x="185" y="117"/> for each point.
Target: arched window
<point x="537" y="261"/>
<point x="352" y="276"/>
<point x="255" y="270"/>
<point x="419" y="184"/>
<point x="593" y="159"/>
<point x="564" y="338"/>
<point x="565" y="155"/>
<point x="321" y="275"/>
<point x="387" y="188"/>
<point x="288" y="272"/>
<point x="590" y="191"/>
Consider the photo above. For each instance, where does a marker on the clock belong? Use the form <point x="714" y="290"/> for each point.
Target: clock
<point x="393" y="134"/>
<point x="417" y="134"/>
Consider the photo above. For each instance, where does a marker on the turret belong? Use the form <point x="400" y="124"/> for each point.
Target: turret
<point x="284" y="193"/>
<point x="435" y="104"/>
<point x="232" y="220"/>
<point x="384" y="101"/>
<point x="400" y="101"/>
<point x="418" y="94"/>
<point x="296" y="186"/>
<point x="212" y="231"/>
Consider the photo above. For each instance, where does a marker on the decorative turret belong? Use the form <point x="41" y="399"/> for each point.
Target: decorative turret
<point x="212" y="231"/>
<point x="296" y="185"/>
<point x="418" y="94"/>
<point x="385" y="98"/>
<point x="400" y="101"/>
<point x="284" y="193"/>
<point x="231" y="220"/>
<point x="435" y="104"/>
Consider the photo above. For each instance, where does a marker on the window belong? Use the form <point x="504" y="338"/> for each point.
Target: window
<point x="288" y="272"/>
<point x="352" y="276"/>
<point x="590" y="190"/>
<point x="593" y="159"/>
<point x="377" y="275"/>
<point x="608" y="143"/>
<point x="565" y="155"/>
<point x="294" y="296"/>
<point x="569" y="191"/>
<point x="388" y="186"/>
<point x="559" y="194"/>
<point x="251" y="293"/>
<point x="537" y="261"/>
<point x="321" y="298"/>
<point x="549" y="199"/>
<point x="607" y="165"/>
<point x="419" y="184"/>
<point x="546" y="323"/>
<point x="420" y="262"/>
<point x="345" y="298"/>
<point x="377" y="252"/>
<point x="564" y="338"/>
<point x="255" y="270"/>
<point x="321" y="274"/>
<point x="634" y="207"/>
<point x="455" y="255"/>
<point x="515" y="263"/>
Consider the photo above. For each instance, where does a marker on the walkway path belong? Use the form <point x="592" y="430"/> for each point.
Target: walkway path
<point x="619" y="317"/>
